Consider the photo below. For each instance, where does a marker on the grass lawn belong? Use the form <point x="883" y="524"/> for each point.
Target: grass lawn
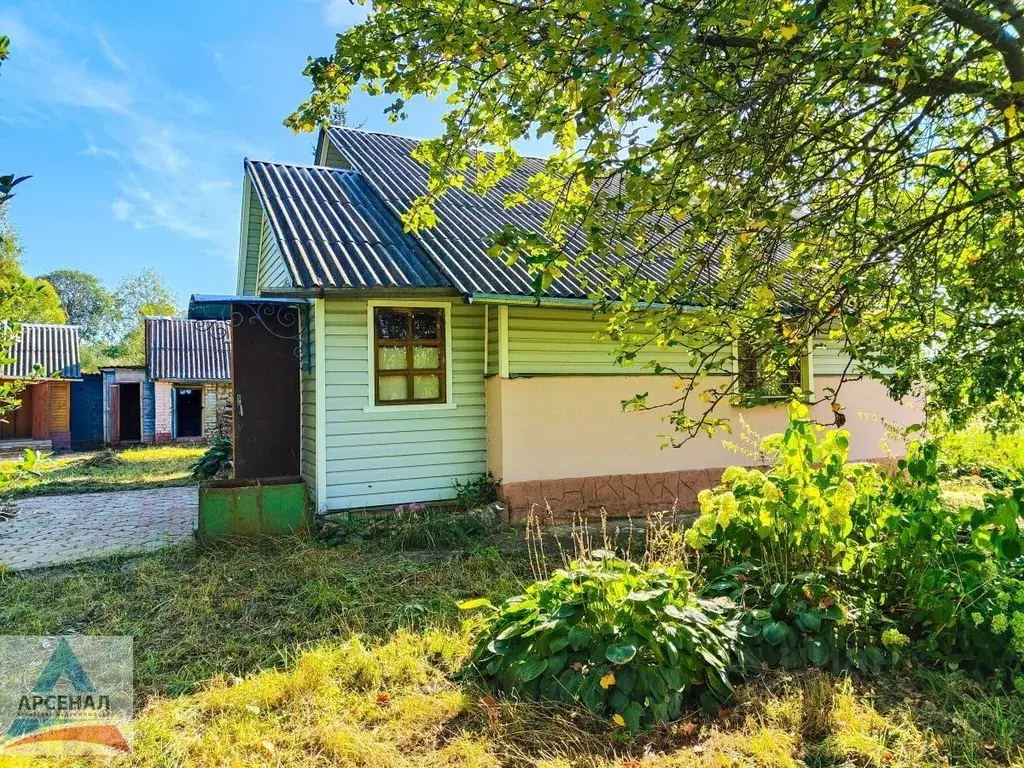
<point x="298" y="654"/>
<point x="133" y="468"/>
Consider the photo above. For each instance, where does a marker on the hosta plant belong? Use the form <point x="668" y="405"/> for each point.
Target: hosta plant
<point x="215" y="462"/>
<point x="632" y="643"/>
<point x="806" y="621"/>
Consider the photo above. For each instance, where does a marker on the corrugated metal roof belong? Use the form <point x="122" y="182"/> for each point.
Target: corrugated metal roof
<point x="48" y="350"/>
<point x="188" y="350"/>
<point x="334" y="232"/>
<point x="458" y="242"/>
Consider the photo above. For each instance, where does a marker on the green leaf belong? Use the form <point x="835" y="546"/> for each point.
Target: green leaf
<point x="532" y="668"/>
<point x="817" y="651"/>
<point x="775" y="632"/>
<point x="632" y="715"/>
<point x="808" y="621"/>
<point x="579" y="637"/>
<point x="621" y="653"/>
<point x="472" y="605"/>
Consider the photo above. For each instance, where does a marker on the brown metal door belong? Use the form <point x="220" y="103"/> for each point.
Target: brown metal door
<point x="265" y="375"/>
<point x="115" y="413"/>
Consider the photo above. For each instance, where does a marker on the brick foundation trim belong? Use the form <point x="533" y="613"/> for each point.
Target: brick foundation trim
<point x="60" y="440"/>
<point x="616" y="495"/>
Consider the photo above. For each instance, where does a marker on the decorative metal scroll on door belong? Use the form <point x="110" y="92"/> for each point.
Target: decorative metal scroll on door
<point x="276" y="319"/>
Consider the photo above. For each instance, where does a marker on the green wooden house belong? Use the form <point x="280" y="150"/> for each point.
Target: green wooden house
<point x="430" y="362"/>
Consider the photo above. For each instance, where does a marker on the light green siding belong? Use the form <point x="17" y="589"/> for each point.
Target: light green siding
<point x="273" y="272"/>
<point x="395" y="455"/>
<point x="307" y="395"/>
<point x="249" y="250"/>
<point x="331" y="157"/>
<point x="831" y="359"/>
<point x="559" y="341"/>
<point x="544" y="340"/>
<point x="492" y="340"/>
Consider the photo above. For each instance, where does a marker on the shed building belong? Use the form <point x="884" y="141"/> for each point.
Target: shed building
<point x="46" y="357"/>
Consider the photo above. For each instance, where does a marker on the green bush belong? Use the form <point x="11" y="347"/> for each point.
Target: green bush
<point x="996" y="457"/>
<point x="804" y="622"/>
<point x="477" y="492"/>
<point x="215" y="462"/>
<point x="631" y="643"/>
<point x="882" y="545"/>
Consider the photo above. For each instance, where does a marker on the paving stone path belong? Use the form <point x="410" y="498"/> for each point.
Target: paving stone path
<point x="52" y="530"/>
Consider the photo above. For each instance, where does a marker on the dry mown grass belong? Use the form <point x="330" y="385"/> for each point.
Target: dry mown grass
<point x="300" y="655"/>
<point x="396" y="705"/>
<point x="129" y="469"/>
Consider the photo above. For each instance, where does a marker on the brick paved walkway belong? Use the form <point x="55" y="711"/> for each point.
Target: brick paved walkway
<point x="50" y="530"/>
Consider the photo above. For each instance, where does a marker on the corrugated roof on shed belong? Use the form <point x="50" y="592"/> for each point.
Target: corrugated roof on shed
<point x="44" y="349"/>
<point x="334" y="232"/>
<point x="188" y="350"/>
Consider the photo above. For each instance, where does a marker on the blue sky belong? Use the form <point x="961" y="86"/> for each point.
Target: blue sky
<point x="133" y="119"/>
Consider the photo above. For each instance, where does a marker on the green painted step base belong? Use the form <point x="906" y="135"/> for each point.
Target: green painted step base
<point x="274" y="506"/>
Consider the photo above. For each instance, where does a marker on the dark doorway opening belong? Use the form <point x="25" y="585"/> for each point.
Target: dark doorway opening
<point x="130" y="412"/>
<point x="188" y="412"/>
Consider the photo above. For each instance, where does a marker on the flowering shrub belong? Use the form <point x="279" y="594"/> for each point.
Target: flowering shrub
<point x="807" y="512"/>
<point x="881" y="544"/>
<point x="631" y="643"/>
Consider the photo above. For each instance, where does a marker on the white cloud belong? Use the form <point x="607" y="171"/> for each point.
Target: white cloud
<point x="171" y="170"/>
<point x="108" y="52"/>
<point x="122" y="210"/>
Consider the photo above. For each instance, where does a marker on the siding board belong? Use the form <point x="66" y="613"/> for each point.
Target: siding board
<point x="307" y="417"/>
<point x="551" y="341"/>
<point x="272" y="272"/>
<point x="254" y="227"/>
<point x="397" y="456"/>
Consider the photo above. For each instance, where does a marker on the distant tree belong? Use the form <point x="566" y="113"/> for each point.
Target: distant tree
<point x="336" y="115"/>
<point x="36" y="301"/>
<point x="86" y="302"/>
<point x="137" y="295"/>
<point x="8" y="181"/>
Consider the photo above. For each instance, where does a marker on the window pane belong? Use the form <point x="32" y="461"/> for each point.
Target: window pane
<point x="426" y="387"/>
<point x="426" y="357"/>
<point x="393" y="388"/>
<point x="391" y="358"/>
<point x="392" y="325"/>
<point x="425" y="325"/>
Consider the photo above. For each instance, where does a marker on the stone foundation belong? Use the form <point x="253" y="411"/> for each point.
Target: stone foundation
<point x="217" y="411"/>
<point x="616" y="495"/>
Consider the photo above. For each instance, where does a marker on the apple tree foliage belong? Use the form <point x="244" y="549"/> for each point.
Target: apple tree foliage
<point x="807" y="169"/>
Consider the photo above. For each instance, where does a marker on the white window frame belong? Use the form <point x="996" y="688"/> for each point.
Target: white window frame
<point x="371" y="356"/>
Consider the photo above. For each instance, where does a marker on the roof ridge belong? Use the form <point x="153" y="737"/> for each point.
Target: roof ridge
<point x="416" y="138"/>
<point x="314" y="166"/>
<point x="49" y="325"/>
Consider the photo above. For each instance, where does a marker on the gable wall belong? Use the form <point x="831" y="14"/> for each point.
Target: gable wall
<point x="272" y="271"/>
<point x="332" y="157"/>
<point x="394" y="455"/>
<point x="249" y="247"/>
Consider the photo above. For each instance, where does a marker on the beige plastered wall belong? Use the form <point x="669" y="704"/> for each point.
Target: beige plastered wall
<point x="556" y="427"/>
